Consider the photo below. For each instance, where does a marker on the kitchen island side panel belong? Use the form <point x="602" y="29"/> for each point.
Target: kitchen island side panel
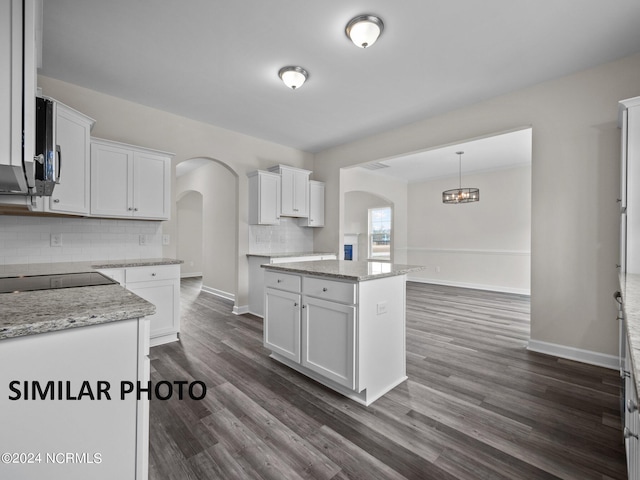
<point x="382" y="333"/>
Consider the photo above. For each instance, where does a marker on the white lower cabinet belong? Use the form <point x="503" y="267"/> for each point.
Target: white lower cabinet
<point x="282" y="329"/>
<point x="347" y="335"/>
<point x="631" y="420"/>
<point x="328" y="340"/>
<point x="159" y="285"/>
<point x="256" y="275"/>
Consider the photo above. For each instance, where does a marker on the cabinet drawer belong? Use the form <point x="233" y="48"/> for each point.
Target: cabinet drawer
<point x="283" y="281"/>
<point x="342" y="292"/>
<point x="146" y="274"/>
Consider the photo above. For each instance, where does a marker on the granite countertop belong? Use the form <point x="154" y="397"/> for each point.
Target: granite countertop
<point x="28" y="313"/>
<point x="630" y="289"/>
<point x="345" y="269"/>
<point x="290" y="254"/>
<point x="41" y="311"/>
<point x="75" y="267"/>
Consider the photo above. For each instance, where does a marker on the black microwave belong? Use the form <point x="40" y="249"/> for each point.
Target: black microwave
<point x="48" y="155"/>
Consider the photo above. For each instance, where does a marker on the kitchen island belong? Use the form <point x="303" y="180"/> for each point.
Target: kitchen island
<point x="341" y="323"/>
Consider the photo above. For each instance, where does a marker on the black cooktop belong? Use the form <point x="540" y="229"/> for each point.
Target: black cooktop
<point x="48" y="282"/>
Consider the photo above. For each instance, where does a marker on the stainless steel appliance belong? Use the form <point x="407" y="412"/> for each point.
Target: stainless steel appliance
<point x="47" y="153"/>
<point x="38" y="177"/>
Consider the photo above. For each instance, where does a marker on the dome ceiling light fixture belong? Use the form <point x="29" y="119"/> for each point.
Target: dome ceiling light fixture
<point x="293" y="77"/>
<point x="364" y="30"/>
<point x="460" y="195"/>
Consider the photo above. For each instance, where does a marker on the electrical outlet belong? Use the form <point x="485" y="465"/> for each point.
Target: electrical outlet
<point x="166" y="239"/>
<point x="143" y="239"/>
<point x="381" y="308"/>
<point x="56" y="239"/>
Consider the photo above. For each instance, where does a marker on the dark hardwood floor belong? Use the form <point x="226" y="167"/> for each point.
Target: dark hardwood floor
<point x="477" y="404"/>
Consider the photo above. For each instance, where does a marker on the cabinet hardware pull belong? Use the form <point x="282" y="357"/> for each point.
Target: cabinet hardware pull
<point x="295" y="304"/>
<point x="628" y="433"/>
<point x="624" y="373"/>
<point x="617" y="265"/>
<point x="153" y="274"/>
<point x="631" y="406"/>
<point x="324" y="289"/>
<point x="279" y="281"/>
<point x="135" y="209"/>
<point x="304" y="306"/>
<point x="618" y="200"/>
<point x="130" y="208"/>
<point x="56" y="200"/>
<point x="618" y="297"/>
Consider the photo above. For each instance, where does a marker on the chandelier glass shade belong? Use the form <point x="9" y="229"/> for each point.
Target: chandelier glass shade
<point x="460" y="195"/>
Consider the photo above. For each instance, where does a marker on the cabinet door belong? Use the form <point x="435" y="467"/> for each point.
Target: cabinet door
<point x="282" y="323"/>
<point x="151" y="185"/>
<point x="11" y="84"/>
<point x="17" y="92"/>
<point x="316" y="204"/>
<point x="164" y="295"/>
<point x="301" y="194"/>
<point x="328" y="340"/>
<point x="111" y="190"/>
<point x="269" y="199"/>
<point x="71" y="195"/>
<point x="295" y="192"/>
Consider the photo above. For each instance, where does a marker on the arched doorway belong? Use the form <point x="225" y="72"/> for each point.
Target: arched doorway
<point x="217" y="184"/>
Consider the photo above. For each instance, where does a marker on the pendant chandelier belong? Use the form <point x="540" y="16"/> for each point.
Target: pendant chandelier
<point x="460" y="195"/>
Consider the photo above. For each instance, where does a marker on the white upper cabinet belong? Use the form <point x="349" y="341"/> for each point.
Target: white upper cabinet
<point x="264" y="198"/>
<point x="71" y="195"/>
<point x="316" y="205"/>
<point x="129" y="181"/>
<point x="17" y="92"/>
<point x="294" y="190"/>
<point x="630" y="186"/>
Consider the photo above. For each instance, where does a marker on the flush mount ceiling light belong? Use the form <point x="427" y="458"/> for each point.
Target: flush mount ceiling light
<point x="460" y="195"/>
<point x="293" y="77"/>
<point x="364" y="30"/>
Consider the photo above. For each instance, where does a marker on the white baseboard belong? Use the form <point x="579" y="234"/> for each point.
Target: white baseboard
<point x="475" y="286"/>
<point x="577" y="354"/>
<point x="218" y="293"/>
<point x="241" y="310"/>
<point x="190" y="274"/>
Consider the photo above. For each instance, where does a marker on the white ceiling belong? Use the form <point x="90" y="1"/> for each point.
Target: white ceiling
<point x="497" y="152"/>
<point x="217" y="61"/>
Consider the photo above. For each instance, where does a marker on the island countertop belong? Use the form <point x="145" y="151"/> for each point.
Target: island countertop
<point x="41" y="311"/>
<point x="345" y="269"/>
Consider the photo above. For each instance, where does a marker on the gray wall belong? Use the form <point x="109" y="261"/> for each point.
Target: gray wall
<point x="575" y="183"/>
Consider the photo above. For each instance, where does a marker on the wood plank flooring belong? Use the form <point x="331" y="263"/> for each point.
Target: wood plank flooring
<point x="477" y="404"/>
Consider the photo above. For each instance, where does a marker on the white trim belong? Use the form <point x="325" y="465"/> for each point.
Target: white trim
<point x="190" y="274"/>
<point x="240" y="310"/>
<point x="466" y="251"/>
<point x="218" y="293"/>
<point x="475" y="286"/>
<point x="572" y="353"/>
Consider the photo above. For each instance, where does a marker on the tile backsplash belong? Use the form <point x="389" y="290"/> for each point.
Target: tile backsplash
<point x="288" y="237"/>
<point x="25" y="239"/>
